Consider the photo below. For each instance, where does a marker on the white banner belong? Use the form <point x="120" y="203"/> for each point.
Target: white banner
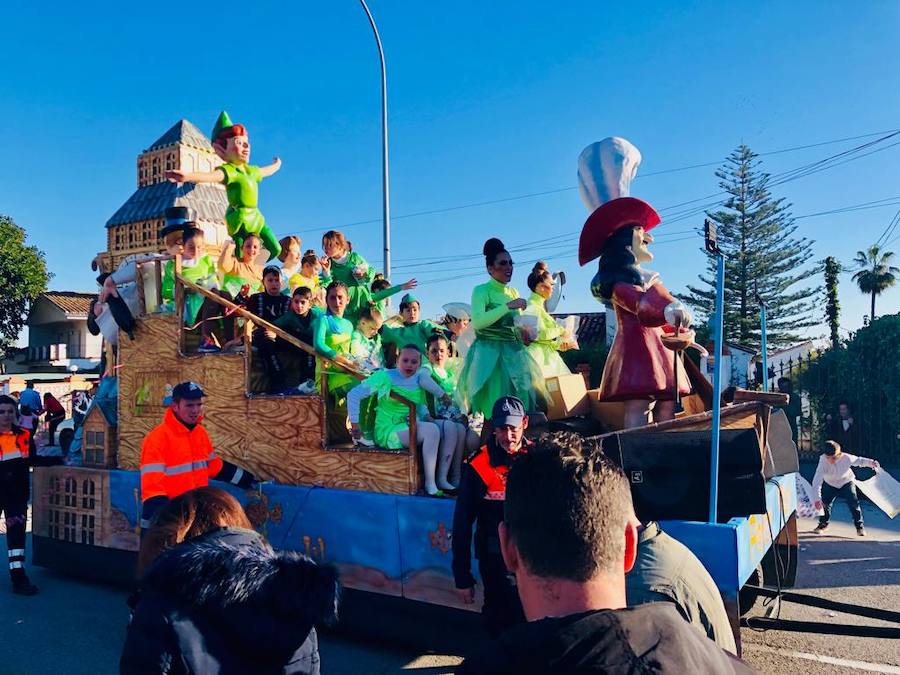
<point x="806" y="499"/>
<point x="883" y="490"/>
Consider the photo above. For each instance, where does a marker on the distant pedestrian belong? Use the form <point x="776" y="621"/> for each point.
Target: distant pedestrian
<point x="14" y="492"/>
<point x="31" y="398"/>
<point x="568" y="536"/>
<point x="845" y="430"/>
<point x="215" y="597"/>
<point x="56" y="413"/>
<point x="834" y="478"/>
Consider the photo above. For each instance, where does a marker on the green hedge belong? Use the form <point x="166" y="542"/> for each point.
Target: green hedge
<point x="865" y="372"/>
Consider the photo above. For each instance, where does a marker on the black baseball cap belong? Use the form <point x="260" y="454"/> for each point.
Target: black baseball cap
<point x="189" y="391"/>
<point x="508" y="411"/>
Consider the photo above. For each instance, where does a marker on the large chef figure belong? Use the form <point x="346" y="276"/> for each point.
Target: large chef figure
<point x="640" y="370"/>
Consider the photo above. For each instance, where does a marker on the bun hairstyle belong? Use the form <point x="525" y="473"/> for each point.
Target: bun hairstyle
<point x="539" y="274"/>
<point x="492" y="248"/>
<point x="379" y="283"/>
<point x="309" y="257"/>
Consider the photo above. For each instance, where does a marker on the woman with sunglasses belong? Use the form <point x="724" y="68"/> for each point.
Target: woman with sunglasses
<point x="497" y="364"/>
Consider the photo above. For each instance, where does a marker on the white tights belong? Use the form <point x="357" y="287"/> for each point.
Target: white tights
<point x="428" y="434"/>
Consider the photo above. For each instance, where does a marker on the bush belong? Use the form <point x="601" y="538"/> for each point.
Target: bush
<point x="864" y="372"/>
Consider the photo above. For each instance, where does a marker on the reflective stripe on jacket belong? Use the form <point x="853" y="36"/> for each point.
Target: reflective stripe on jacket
<point x="14" y="445"/>
<point x="494" y="477"/>
<point x="175" y="459"/>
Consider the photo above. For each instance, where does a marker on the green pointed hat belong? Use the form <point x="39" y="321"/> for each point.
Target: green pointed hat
<point x="224" y="122"/>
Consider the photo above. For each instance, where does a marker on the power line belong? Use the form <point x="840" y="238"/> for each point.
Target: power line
<point x="490" y="202"/>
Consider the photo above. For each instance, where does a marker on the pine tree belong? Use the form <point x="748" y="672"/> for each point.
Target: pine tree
<point x="762" y="255"/>
<point x="832" y="306"/>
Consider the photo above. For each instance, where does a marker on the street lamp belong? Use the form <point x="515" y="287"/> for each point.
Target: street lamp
<point x="385" y="180"/>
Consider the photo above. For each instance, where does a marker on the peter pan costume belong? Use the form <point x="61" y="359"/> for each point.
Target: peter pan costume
<point x="410" y="333"/>
<point x="201" y="271"/>
<point x="357" y="288"/>
<point x="496" y="364"/>
<point x="392" y="416"/>
<point x="545" y="349"/>
<point x="241" y="182"/>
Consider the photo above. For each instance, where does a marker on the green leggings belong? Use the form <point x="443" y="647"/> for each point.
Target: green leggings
<point x="269" y="242"/>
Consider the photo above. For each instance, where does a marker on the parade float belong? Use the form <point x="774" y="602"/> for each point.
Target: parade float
<point x="717" y="477"/>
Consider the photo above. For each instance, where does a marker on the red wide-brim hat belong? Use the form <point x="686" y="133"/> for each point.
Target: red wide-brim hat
<point x="609" y="218"/>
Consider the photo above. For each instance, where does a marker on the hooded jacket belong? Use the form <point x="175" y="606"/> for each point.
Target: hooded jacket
<point x="648" y="639"/>
<point x="226" y="603"/>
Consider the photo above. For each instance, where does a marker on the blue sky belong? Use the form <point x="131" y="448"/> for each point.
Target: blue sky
<point x="487" y="101"/>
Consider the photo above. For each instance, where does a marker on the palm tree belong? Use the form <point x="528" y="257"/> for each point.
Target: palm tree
<point x="877" y="274"/>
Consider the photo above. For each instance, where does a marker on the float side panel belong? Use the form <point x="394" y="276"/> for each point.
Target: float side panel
<point x="276" y="438"/>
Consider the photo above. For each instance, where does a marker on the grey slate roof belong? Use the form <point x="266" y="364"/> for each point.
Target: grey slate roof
<point x="147" y="203"/>
<point x="182" y="132"/>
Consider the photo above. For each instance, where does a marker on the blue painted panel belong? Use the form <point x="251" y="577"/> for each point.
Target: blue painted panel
<point x="125" y="494"/>
<point x="714" y="544"/>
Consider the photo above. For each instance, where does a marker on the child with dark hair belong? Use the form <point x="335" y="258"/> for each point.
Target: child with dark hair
<point x="834" y="478"/>
<point x="269" y="305"/>
<point x="215" y="597"/>
<point x="299" y="321"/>
<point x="414" y="330"/>
<point x="341" y="263"/>
<point x="411" y="382"/>
<point x="331" y="338"/>
<point x="200" y="269"/>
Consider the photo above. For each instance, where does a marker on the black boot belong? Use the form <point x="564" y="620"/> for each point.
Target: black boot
<point x="21" y="584"/>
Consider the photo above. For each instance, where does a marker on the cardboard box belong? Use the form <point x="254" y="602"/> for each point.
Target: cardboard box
<point x="610" y="413"/>
<point x="568" y="396"/>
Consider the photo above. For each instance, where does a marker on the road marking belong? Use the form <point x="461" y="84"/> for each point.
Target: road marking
<point x="846" y="663"/>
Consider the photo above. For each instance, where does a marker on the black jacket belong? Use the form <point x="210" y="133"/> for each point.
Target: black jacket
<point x="226" y="603"/>
<point x="472" y="508"/>
<point x="650" y="638"/>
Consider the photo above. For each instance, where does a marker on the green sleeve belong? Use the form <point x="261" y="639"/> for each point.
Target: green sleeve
<point x="356" y="259"/>
<point x="228" y="171"/>
<point x="168" y="281"/>
<point x="319" y="336"/>
<point x="481" y="316"/>
<point x="378" y="296"/>
<point x="548" y="329"/>
<point x="389" y="335"/>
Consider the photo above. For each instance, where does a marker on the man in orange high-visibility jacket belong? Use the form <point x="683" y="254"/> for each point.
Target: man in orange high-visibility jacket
<point x="482" y="493"/>
<point x="14" y="489"/>
<point x="178" y="455"/>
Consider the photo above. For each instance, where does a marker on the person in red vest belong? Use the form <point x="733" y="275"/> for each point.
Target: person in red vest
<point x="178" y="455"/>
<point x="14" y="492"/>
<point x="482" y="492"/>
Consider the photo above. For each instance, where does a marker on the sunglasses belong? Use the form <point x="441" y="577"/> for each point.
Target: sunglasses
<point x="504" y="263"/>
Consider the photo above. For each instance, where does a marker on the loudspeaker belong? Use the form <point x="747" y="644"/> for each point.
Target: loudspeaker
<point x="781" y="455"/>
<point x="669" y="473"/>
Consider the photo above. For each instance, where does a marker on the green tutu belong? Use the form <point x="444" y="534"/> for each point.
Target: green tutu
<point x="495" y="368"/>
<point x="392" y="416"/>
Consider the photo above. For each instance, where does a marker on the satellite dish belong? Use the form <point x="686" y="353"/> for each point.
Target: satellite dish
<point x="553" y="301"/>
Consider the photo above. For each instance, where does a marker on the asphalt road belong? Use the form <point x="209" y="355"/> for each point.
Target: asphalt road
<point x="75" y="628"/>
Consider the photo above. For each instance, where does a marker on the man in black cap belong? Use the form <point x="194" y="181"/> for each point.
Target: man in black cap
<point x="482" y="491"/>
<point x="569" y="537"/>
<point x="178" y="456"/>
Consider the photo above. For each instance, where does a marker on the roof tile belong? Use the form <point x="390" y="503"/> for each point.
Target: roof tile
<point x="150" y="202"/>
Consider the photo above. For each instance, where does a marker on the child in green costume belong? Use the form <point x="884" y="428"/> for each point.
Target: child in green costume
<point x="241" y="181"/>
<point x="410" y="382"/>
<point x="549" y="339"/>
<point x="342" y="264"/>
<point x="414" y="331"/>
<point x="200" y="269"/>
<point x="454" y="426"/>
<point x="497" y="364"/>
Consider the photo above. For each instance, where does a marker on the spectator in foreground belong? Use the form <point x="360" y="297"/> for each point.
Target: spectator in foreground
<point x="569" y="538"/>
<point x="667" y="571"/>
<point x="834" y="478"/>
<point x="215" y="597"/>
